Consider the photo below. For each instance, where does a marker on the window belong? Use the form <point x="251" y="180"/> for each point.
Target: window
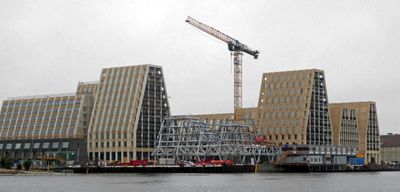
<point x="55" y="145"/>
<point x="17" y="146"/>
<point x="1" y="145"/>
<point x="9" y="146"/>
<point x="46" y="145"/>
<point x="36" y="145"/>
<point x="65" y="145"/>
<point x="27" y="146"/>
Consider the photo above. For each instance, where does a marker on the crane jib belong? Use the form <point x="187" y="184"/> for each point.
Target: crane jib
<point x="233" y="44"/>
<point x="237" y="50"/>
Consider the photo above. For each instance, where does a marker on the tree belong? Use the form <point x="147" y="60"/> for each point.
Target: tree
<point x="27" y="164"/>
<point x="5" y="163"/>
<point x="9" y="163"/>
<point x="2" y="162"/>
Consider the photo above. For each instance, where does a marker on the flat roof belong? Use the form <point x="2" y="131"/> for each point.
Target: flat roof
<point x="42" y="96"/>
<point x="88" y="82"/>
<point x="390" y="140"/>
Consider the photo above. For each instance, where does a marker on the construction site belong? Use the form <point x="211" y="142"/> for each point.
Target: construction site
<point x="226" y="140"/>
<point x="238" y="141"/>
<point x="292" y="128"/>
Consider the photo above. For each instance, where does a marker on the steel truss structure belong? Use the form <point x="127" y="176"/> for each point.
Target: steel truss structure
<point x="190" y="139"/>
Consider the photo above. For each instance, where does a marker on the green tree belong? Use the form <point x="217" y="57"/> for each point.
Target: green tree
<point x="9" y="163"/>
<point x="27" y="164"/>
<point x="2" y="162"/>
<point x="5" y="163"/>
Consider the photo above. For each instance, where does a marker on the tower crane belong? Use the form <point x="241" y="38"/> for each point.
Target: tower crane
<point x="236" y="48"/>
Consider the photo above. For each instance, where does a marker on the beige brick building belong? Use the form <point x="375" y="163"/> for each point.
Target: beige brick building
<point x="215" y="119"/>
<point x="344" y="126"/>
<point x="368" y="128"/>
<point x="87" y="88"/>
<point x="247" y="116"/>
<point x="33" y="126"/>
<point x="45" y="116"/>
<point x="130" y="105"/>
<point x="242" y="116"/>
<point x="293" y="108"/>
<point x="116" y="118"/>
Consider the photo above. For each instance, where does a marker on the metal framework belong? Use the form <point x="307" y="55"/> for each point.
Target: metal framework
<point x="237" y="48"/>
<point x="190" y="139"/>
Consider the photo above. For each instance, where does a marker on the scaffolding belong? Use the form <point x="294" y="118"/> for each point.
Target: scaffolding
<point x="190" y="139"/>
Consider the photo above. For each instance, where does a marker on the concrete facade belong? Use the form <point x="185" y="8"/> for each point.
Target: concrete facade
<point x="130" y="105"/>
<point x="293" y="108"/>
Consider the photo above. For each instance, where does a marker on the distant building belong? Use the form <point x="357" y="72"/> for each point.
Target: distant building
<point x="344" y="126"/>
<point x="390" y="148"/>
<point x="87" y="88"/>
<point x="117" y="118"/>
<point x="45" y="127"/>
<point x="293" y="108"/>
<point x="130" y="105"/>
<point x="368" y="129"/>
<point x="247" y="116"/>
<point x="215" y="119"/>
<point x="244" y="116"/>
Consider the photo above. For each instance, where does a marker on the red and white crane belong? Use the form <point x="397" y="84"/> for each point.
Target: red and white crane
<point x="236" y="48"/>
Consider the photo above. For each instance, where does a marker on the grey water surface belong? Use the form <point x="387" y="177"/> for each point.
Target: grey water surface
<point x="302" y="182"/>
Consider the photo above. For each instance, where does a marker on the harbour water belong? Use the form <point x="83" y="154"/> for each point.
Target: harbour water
<point x="302" y="182"/>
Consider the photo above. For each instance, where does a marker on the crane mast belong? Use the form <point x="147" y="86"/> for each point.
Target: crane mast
<point x="237" y="48"/>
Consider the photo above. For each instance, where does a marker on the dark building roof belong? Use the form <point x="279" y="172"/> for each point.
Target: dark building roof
<point x="390" y="140"/>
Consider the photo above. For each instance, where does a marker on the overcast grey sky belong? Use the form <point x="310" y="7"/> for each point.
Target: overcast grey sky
<point x="49" y="46"/>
